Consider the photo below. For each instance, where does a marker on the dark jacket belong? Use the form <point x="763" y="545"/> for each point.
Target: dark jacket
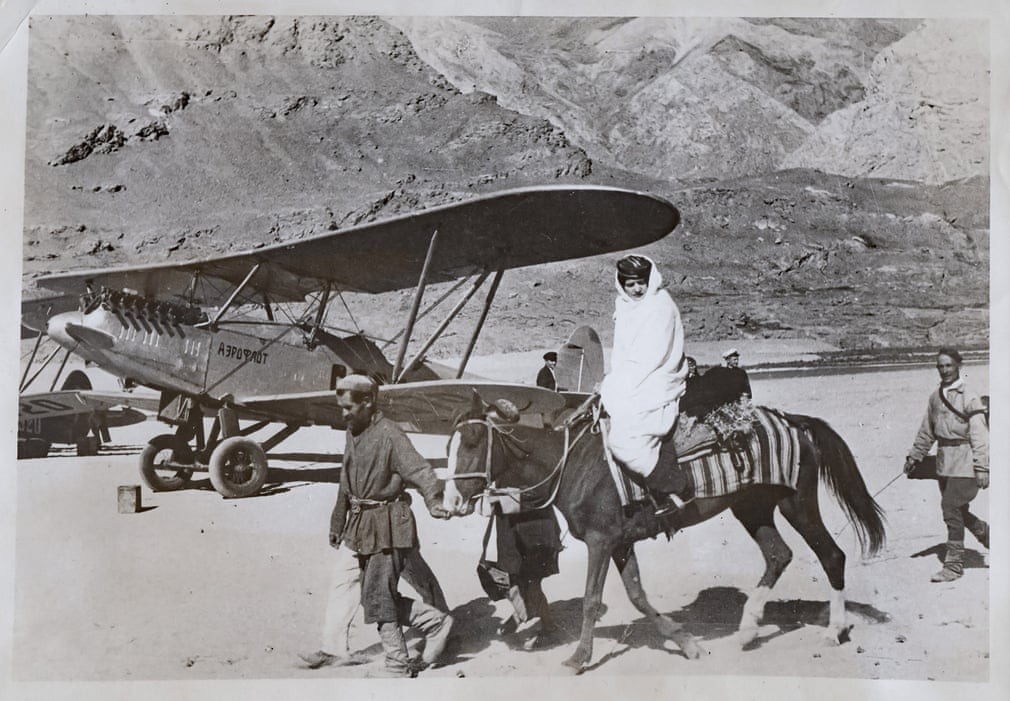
<point x="545" y="378"/>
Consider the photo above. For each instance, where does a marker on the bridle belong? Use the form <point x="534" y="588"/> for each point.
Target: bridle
<point x="492" y="430"/>
<point x="513" y="445"/>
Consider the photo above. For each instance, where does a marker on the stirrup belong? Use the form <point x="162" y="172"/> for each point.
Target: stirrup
<point x="673" y="504"/>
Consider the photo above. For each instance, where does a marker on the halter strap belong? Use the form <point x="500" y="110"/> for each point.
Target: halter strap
<point x="555" y="474"/>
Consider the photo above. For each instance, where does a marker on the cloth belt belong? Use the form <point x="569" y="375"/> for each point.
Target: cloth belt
<point x="951" y="442"/>
<point x="359" y="505"/>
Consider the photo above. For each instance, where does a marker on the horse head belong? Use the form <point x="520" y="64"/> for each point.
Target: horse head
<point x="471" y="451"/>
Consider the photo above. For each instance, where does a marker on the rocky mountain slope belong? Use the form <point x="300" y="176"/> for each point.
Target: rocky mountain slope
<point x="832" y="174"/>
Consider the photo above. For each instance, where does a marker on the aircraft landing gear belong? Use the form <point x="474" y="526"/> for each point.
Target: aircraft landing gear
<point x="166" y="463"/>
<point x="238" y="467"/>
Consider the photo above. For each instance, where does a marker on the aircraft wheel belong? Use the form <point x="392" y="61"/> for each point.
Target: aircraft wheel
<point x="160" y="463"/>
<point x="238" y="467"/>
<point x="32" y="448"/>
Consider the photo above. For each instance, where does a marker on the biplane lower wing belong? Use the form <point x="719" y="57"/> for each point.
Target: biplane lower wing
<point x="419" y="407"/>
<point x="69" y="416"/>
<point x="47" y="405"/>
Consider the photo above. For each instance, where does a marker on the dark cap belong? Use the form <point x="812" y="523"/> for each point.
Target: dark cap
<point x="950" y="353"/>
<point x="356" y="383"/>
<point x="551" y="355"/>
<point x="633" y="268"/>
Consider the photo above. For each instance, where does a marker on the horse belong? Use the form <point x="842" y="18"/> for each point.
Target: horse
<point x="569" y="469"/>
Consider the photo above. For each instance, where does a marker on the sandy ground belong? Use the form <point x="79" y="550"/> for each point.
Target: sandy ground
<point x="196" y="587"/>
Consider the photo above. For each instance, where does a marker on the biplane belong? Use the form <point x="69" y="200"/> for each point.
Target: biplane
<point x="187" y="329"/>
<point x="77" y="414"/>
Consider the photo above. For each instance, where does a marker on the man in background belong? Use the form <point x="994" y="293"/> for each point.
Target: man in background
<point x="955" y="422"/>
<point x="728" y="382"/>
<point x="546" y="377"/>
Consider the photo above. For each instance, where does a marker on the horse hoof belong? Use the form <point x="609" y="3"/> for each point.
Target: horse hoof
<point x="743" y="638"/>
<point x="573" y="667"/>
<point x="839" y="636"/>
<point x="693" y="650"/>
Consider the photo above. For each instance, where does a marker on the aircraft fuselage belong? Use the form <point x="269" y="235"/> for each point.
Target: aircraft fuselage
<point x="235" y="360"/>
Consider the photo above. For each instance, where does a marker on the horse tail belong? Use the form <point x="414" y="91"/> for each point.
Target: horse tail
<point x="838" y="470"/>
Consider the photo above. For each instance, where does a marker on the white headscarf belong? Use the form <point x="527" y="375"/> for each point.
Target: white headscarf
<point x="647" y="365"/>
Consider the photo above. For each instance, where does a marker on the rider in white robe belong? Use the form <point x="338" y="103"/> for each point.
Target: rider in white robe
<point x="648" y="372"/>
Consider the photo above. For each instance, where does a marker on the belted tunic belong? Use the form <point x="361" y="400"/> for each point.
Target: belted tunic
<point x="372" y="512"/>
<point x="962" y="443"/>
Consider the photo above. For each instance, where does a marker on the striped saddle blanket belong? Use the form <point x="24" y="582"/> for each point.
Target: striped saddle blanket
<point x="771" y="455"/>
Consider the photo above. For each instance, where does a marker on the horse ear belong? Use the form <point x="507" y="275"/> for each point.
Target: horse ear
<point x="477" y="404"/>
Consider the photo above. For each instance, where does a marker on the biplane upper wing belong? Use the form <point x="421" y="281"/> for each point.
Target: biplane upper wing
<point x="45" y="405"/>
<point x="419" y="407"/>
<point x="510" y="229"/>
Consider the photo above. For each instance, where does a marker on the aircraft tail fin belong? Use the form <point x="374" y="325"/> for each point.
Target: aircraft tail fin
<point x="77" y="380"/>
<point x="580" y="361"/>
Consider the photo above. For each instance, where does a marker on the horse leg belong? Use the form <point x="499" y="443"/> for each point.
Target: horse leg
<point x="757" y="516"/>
<point x="596" y="575"/>
<point x="801" y="511"/>
<point x="627" y="565"/>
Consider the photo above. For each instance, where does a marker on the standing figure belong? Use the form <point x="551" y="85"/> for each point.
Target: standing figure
<point x="647" y="379"/>
<point x="692" y="368"/>
<point x="344" y="602"/>
<point x="955" y="422"/>
<point x="372" y="517"/>
<point x="546" y="377"/>
<point x="728" y="382"/>
<point x="528" y="544"/>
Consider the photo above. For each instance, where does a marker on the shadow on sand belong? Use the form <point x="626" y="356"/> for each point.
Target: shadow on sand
<point x="714" y="614"/>
<point x="973" y="559"/>
<point x="280" y="480"/>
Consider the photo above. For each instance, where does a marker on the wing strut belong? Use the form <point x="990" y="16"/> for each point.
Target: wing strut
<point x="238" y="290"/>
<point x="480" y="322"/>
<point x="324" y="301"/>
<point x="45" y="364"/>
<point x="267" y="308"/>
<point x="63" y="364"/>
<point x="427" y="310"/>
<point x="445" y="323"/>
<point x="418" y="294"/>
<point x="28" y="367"/>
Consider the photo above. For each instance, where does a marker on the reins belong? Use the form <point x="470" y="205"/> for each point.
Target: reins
<point x="510" y="443"/>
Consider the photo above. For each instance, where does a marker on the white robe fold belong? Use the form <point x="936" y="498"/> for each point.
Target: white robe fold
<point x="648" y="374"/>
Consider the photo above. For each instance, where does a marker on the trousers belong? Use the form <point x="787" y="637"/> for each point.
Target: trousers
<point x="343" y="602"/>
<point x="956" y="493"/>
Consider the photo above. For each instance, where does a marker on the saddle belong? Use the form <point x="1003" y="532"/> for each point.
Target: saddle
<point x="727" y="428"/>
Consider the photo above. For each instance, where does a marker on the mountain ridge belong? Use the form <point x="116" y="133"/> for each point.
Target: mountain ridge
<point x="852" y="187"/>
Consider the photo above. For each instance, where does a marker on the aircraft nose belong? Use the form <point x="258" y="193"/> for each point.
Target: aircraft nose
<point x="56" y="329"/>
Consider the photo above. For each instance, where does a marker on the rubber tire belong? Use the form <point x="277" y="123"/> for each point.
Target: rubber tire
<point x="32" y="448"/>
<point x="181" y="453"/>
<point x="238" y="451"/>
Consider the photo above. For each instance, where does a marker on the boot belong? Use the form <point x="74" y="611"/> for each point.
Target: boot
<point x="667" y="482"/>
<point x="435" y="626"/>
<point x="395" y="647"/>
<point x="953" y="563"/>
<point x="980" y="529"/>
<point x="515" y="597"/>
<point x="321" y="658"/>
